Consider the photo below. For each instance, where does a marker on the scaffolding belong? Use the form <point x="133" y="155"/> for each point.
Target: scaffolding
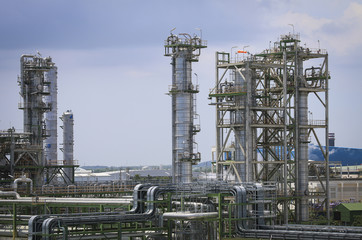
<point x="262" y="112"/>
<point x="17" y="160"/>
<point x="12" y="143"/>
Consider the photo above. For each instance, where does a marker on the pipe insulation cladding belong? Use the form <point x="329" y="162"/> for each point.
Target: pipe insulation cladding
<point x="184" y="117"/>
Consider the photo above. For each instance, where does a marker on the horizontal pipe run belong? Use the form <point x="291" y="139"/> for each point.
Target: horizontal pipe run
<point x="189" y="215"/>
<point x="12" y="194"/>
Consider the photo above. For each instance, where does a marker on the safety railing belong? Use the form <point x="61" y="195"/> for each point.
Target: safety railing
<point x="316" y="122"/>
<point x="62" y="162"/>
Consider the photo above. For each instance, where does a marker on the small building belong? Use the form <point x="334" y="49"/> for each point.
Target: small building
<point x="347" y="212"/>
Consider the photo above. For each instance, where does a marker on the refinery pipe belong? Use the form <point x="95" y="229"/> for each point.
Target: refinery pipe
<point x="25" y="180"/>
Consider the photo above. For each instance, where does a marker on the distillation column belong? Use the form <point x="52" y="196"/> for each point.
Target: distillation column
<point x="32" y="84"/>
<point x="239" y="132"/>
<point x="184" y="117"/>
<point x="302" y="135"/>
<point x="33" y="89"/>
<point x="51" y="143"/>
<point x="68" y="143"/>
<point x="183" y="49"/>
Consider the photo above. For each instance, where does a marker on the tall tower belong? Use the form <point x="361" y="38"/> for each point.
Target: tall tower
<point x="238" y="117"/>
<point x="183" y="50"/>
<point x="51" y="143"/>
<point x="68" y="143"/>
<point x="233" y="98"/>
<point x="33" y="90"/>
<point x="262" y="112"/>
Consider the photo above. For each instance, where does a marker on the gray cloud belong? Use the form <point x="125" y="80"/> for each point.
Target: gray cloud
<point x="113" y="75"/>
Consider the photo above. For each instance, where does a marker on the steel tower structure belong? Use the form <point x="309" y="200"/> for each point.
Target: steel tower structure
<point x="33" y="153"/>
<point x="262" y="112"/>
<point x="33" y="89"/>
<point x="183" y="50"/>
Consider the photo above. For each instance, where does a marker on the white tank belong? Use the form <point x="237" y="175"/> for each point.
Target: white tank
<point x="68" y="143"/>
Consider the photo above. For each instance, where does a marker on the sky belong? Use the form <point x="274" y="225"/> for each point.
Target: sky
<point x="113" y="75"/>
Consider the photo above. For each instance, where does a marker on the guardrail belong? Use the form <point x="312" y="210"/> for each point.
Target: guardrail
<point x="316" y="122"/>
<point x="61" y="162"/>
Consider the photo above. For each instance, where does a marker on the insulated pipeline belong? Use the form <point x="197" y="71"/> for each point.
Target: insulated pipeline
<point x="48" y="223"/>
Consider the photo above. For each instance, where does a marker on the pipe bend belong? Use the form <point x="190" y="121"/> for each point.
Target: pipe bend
<point x="10" y="194"/>
<point x="240" y="197"/>
<point x="152" y="195"/>
<point x="23" y="179"/>
<point x="137" y="196"/>
<point x="34" y="226"/>
<point x="49" y="224"/>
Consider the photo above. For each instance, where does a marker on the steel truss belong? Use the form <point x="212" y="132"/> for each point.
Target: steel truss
<point x="262" y="114"/>
<point x="20" y="158"/>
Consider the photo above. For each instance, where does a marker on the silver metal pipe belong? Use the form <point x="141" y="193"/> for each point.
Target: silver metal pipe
<point x="13" y="194"/>
<point x="28" y="200"/>
<point x="241" y="211"/>
<point x="315" y="228"/>
<point x="260" y="198"/>
<point x="50" y="222"/>
<point x="307" y="235"/>
<point x="197" y="206"/>
<point x="189" y="215"/>
<point x="25" y="180"/>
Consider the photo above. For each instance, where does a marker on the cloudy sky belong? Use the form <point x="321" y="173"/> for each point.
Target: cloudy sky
<point x="112" y="73"/>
